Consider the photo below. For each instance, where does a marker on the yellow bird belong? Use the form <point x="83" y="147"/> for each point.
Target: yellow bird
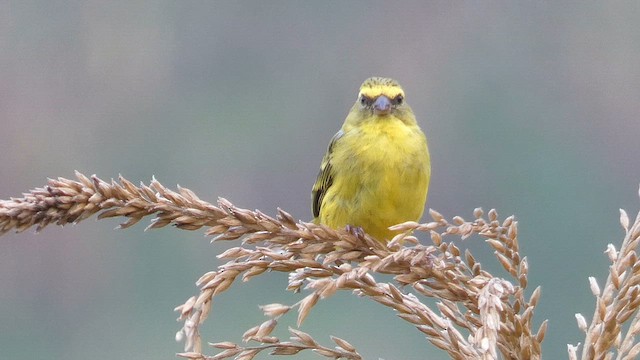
<point x="377" y="168"/>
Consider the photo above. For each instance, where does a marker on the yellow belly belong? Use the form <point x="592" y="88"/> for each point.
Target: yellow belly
<point x="381" y="175"/>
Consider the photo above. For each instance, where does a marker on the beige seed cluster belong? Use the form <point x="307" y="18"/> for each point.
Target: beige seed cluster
<point x="476" y="315"/>
<point x="615" y="322"/>
<point x="65" y="201"/>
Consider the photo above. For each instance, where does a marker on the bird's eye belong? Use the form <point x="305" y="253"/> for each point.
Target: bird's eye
<point x="364" y="101"/>
<point x="398" y="100"/>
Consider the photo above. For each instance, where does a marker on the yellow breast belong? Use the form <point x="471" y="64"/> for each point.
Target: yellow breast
<point x="381" y="175"/>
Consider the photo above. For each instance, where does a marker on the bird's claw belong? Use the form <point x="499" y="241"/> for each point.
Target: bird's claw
<point x="356" y="231"/>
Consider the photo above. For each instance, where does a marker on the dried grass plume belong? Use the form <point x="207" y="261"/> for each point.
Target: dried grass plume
<point x="476" y="315"/>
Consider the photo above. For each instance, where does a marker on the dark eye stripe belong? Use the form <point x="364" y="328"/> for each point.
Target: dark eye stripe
<point x="365" y="101"/>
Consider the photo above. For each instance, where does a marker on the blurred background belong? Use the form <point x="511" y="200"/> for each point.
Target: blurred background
<point x="530" y="108"/>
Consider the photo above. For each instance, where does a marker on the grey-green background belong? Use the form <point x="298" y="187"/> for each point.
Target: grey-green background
<point x="530" y="107"/>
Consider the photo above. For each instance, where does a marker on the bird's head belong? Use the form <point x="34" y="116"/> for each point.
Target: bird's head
<point x="380" y="96"/>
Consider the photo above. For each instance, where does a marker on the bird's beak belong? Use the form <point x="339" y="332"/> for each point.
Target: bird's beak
<point x="382" y="105"/>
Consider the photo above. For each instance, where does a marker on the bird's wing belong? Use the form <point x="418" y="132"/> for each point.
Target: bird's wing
<point x="325" y="177"/>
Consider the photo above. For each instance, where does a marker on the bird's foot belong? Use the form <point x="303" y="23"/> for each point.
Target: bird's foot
<point x="356" y="231"/>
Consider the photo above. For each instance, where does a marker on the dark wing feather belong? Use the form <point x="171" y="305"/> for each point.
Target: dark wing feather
<point x="325" y="177"/>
